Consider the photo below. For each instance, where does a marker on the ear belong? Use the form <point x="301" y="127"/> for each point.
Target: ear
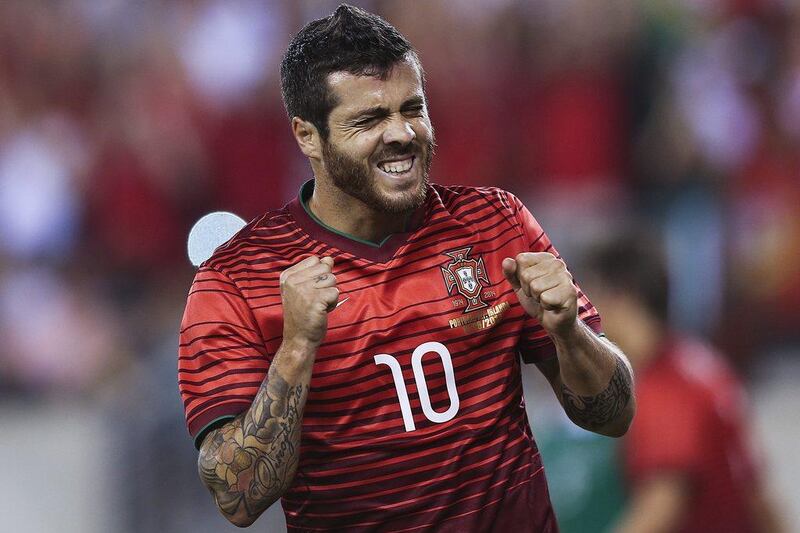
<point x="307" y="137"/>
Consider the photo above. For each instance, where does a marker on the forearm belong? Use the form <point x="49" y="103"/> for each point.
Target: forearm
<point x="596" y="381"/>
<point x="248" y="463"/>
<point x="656" y="506"/>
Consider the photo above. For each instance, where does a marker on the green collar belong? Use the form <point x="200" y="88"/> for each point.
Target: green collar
<point x="306" y="190"/>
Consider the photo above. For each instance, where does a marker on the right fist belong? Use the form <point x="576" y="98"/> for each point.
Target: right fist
<point x="308" y="293"/>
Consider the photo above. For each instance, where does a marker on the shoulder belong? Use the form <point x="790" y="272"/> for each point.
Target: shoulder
<point x="456" y="198"/>
<point x="691" y="370"/>
<point x="266" y="235"/>
<point x="701" y="364"/>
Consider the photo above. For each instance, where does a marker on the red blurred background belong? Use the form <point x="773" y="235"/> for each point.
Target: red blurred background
<point x="122" y="122"/>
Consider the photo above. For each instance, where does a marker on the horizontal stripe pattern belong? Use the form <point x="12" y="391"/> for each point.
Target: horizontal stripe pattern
<point x="360" y="470"/>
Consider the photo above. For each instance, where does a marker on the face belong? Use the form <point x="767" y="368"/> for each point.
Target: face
<point x="381" y="141"/>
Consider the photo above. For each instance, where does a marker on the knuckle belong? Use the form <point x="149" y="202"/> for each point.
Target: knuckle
<point x="550" y="298"/>
<point x="527" y="258"/>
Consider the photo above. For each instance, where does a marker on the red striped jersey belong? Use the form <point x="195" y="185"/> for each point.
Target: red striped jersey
<point x="415" y="418"/>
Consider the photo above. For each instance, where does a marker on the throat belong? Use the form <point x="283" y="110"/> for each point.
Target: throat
<point x="355" y="220"/>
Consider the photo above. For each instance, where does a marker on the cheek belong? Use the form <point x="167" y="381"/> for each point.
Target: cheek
<point x="364" y="148"/>
<point x="423" y="129"/>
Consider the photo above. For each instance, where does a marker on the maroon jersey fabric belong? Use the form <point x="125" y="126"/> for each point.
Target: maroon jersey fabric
<point x="690" y="419"/>
<point x="415" y="419"/>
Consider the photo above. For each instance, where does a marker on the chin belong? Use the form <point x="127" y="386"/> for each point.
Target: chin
<point x="398" y="202"/>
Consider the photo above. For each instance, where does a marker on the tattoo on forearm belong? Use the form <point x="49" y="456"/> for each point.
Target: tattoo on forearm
<point x="251" y="461"/>
<point x="594" y="412"/>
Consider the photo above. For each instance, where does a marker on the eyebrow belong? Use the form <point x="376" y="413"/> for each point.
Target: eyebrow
<point x="413" y="101"/>
<point x="369" y="112"/>
<point x="378" y="111"/>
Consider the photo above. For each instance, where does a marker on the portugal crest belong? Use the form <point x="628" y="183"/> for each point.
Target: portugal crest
<point x="467" y="276"/>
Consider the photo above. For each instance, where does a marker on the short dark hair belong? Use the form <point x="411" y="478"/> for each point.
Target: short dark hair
<point x="632" y="264"/>
<point x="349" y="40"/>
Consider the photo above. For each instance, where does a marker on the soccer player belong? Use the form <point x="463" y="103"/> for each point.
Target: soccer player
<point x="688" y="463"/>
<point x="357" y="352"/>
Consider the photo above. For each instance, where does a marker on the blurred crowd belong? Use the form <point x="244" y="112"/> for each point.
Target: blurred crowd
<point x="121" y="123"/>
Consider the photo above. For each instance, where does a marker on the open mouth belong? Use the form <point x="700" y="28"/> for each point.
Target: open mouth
<point x="398" y="168"/>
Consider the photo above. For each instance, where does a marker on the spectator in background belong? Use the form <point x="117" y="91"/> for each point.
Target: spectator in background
<point x="687" y="459"/>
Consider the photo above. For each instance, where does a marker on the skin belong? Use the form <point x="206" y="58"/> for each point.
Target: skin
<point x="657" y="505"/>
<point x="249" y="462"/>
<point x="376" y="120"/>
<point x="590" y="376"/>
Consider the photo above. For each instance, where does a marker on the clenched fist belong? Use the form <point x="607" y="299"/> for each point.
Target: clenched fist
<point x="308" y="294"/>
<point x="545" y="289"/>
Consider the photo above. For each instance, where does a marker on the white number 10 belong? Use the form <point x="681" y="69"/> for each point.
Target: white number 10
<point x="422" y="386"/>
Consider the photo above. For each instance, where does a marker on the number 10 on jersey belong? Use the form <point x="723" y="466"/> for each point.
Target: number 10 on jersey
<point x="422" y="386"/>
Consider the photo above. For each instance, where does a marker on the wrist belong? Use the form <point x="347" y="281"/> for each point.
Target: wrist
<point x="569" y="334"/>
<point x="296" y="357"/>
<point x="299" y="347"/>
<point x="295" y="360"/>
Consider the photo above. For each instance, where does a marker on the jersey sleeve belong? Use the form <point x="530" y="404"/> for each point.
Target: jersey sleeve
<point x="668" y="435"/>
<point x="536" y="345"/>
<point x="222" y="359"/>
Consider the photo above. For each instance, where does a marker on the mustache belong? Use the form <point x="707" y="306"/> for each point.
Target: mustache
<point x="412" y="148"/>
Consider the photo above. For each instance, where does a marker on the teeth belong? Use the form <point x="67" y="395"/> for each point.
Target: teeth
<point x="397" y="167"/>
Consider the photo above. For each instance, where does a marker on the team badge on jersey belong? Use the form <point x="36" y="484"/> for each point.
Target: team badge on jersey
<point x="467" y="276"/>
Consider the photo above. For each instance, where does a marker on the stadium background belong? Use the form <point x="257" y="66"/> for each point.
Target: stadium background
<point x="123" y="122"/>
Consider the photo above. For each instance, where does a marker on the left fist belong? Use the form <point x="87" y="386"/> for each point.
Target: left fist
<point x="545" y="290"/>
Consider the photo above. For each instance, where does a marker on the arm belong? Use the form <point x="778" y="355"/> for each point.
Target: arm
<point x="599" y="397"/>
<point x="590" y="376"/>
<point x="249" y="462"/>
<point x="657" y="505"/>
<point x="767" y="517"/>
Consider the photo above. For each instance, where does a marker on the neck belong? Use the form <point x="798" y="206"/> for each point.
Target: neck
<point x="351" y="216"/>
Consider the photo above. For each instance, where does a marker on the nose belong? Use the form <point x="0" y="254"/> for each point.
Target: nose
<point x="398" y="130"/>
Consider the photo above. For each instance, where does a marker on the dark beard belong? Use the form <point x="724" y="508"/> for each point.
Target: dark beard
<point x="355" y="178"/>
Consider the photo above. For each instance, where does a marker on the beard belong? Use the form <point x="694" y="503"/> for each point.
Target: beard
<point x="355" y="178"/>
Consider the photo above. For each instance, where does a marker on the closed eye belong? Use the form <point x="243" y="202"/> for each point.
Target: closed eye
<point x="414" y="110"/>
<point x="367" y="121"/>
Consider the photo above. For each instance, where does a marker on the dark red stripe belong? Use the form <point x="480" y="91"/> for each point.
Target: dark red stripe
<point x="311" y="424"/>
<point x="221" y="375"/>
<point x="190" y="326"/>
<point x="257" y="347"/>
<point x="402" y="439"/>
<point x="216" y="362"/>
<point x="215" y="336"/>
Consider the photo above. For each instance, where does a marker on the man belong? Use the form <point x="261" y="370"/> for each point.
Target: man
<point x="686" y="458"/>
<point x="356" y="353"/>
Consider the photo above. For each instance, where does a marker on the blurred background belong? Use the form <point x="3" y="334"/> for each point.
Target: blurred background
<point x="122" y="122"/>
